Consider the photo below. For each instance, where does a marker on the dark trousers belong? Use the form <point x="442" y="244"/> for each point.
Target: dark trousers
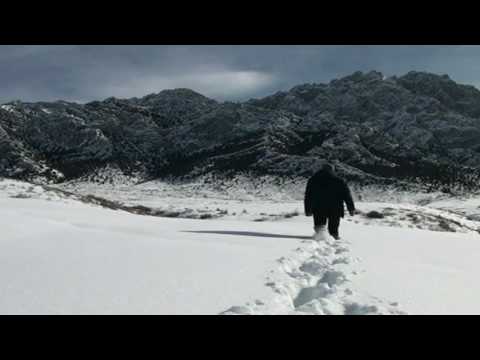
<point x="333" y="223"/>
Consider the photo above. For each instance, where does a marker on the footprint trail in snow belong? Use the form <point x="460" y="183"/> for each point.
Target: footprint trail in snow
<point x="317" y="280"/>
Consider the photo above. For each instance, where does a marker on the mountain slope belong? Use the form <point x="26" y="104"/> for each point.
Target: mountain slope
<point x="419" y="127"/>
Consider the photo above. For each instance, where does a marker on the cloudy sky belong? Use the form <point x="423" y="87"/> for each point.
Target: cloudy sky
<point x="228" y="72"/>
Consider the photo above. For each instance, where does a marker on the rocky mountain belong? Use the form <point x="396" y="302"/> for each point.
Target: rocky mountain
<point x="419" y="127"/>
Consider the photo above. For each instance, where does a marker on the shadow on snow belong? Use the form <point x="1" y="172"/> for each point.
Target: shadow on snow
<point x="251" y="233"/>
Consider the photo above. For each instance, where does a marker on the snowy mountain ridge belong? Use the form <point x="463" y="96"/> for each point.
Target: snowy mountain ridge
<point x="418" y="128"/>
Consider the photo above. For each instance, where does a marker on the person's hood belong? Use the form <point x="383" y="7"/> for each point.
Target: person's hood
<point x="325" y="172"/>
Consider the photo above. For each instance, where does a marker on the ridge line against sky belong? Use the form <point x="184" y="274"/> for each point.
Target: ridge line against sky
<point x="83" y="73"/>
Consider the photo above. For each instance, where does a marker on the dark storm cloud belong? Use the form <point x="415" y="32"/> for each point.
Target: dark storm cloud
<point x="84" y="73"/>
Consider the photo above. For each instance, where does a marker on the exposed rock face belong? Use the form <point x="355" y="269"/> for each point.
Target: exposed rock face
<point x="419" y="125"/>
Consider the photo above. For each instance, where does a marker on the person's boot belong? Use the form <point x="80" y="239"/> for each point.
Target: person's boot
<point x="320" y="233"/>
<point x="336" y="236"/>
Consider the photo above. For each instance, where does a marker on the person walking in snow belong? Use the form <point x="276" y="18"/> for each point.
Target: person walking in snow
<point x="324" y="198"/>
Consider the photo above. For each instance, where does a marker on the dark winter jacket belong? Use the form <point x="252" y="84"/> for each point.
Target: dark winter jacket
<point x="325" y="195"/>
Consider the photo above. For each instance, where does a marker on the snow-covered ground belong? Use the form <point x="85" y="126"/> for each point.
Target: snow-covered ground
<point x="254" y="255"/>
<point x="72" y="258"/>
<point x="468" y="207"/>
<point x="426" y="272"/>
